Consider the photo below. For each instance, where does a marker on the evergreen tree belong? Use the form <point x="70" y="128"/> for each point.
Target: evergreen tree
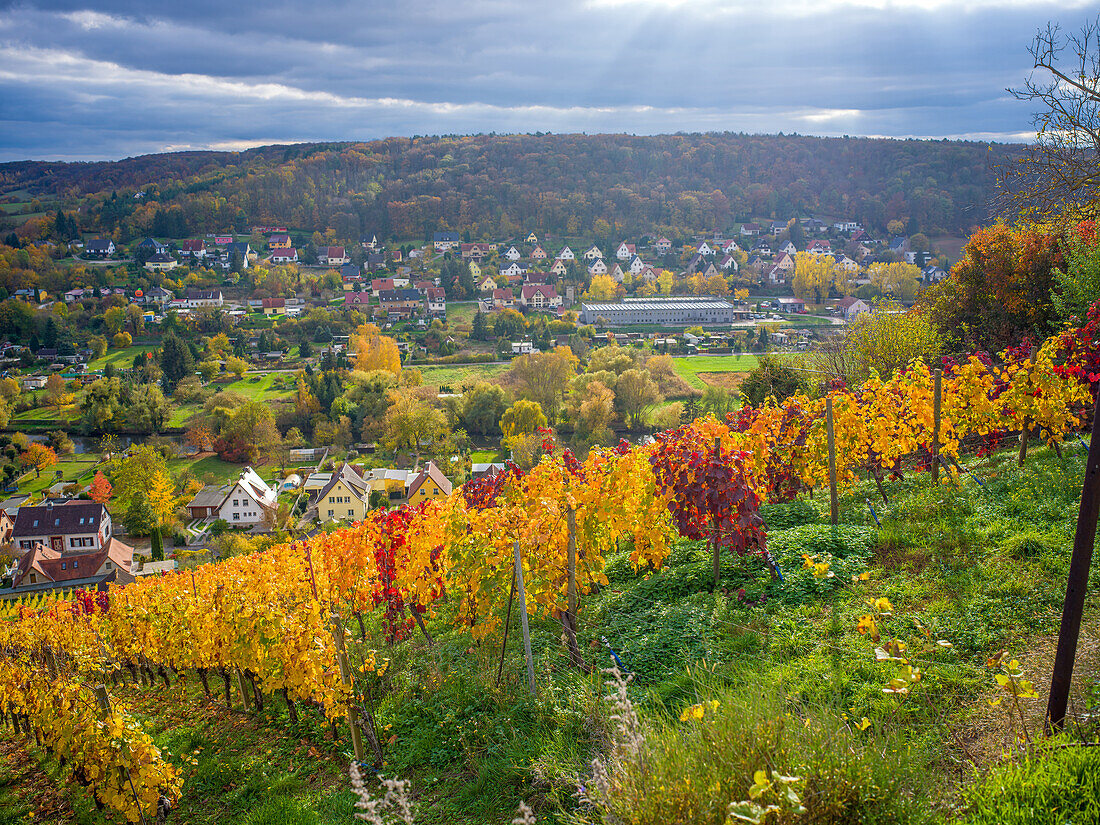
<point x="480" y="331"/>
<point x="157" y="546"/>
<point x="175" y="361"/>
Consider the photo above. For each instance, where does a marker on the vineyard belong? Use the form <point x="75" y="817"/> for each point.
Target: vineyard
<point x="321" y="628"/>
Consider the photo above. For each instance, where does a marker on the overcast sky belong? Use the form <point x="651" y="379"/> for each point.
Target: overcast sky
<point x="125" y="78"/>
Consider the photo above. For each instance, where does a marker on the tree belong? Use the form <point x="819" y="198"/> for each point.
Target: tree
<point x="508" y="324"/>
<point x="57" y="393"/>
<point x="98" y="345"/>
<point x="521" y="419"/>
<point x="122" y="340"/>
<point x="482" y="407"/>
<point x="1077" y="283"/>
<point x="544" y="377"/>
<point x="412" y="422"/>
<point x="813" y="276"/>
<point x="176" y="362"/>
<point x="249" y="434"/>
<point x="480" y="330"/>
<point x="771" y="378"/>
<point x="149" y="409"/>
<point x="374" y="351"/>
<point x="236" y="366"/>
<point x="100" y="408"/>
<point x="594" y="410"/>
<point x="602" y="288"/>
<point x="888" y="339"/>
<point x="718" y="401"/>
<point x="635" y="393"/>
<point x="1057" y="178"/>
<point x="200" y="436"/>
<point x="899" y="280"/>
<point x="100" y="489"/>
<point x="39" y="457"/>
<point x="114" y="318"/>
<point x="999" y="292"/>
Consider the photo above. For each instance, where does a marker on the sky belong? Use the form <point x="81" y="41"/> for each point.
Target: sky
<point x="122" y="77"/>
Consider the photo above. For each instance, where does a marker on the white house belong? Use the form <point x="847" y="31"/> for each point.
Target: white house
<point x="636" y="266"/>
<point x="597" y="267"/>
<point x="512" y="254"/>
<point x="625" y="251"/>
<point x="704" y="249"/>
<point x="566" y="255"/>
<point x="512" y="269"/>
<point x="539" y="296"/>
<point x="248" y="501"/>
<point x="851" y="307"/>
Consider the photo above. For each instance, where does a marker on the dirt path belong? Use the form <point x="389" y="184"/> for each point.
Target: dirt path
<point x="26" y="792"/>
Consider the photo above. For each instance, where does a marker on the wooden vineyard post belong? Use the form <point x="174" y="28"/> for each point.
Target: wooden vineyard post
<point x="716" y="558"/>
<point x="242" y="689"/>
<point x="834" y="507"/>
<point x="937" y="400"/>
<point x="345" y="677"/>
<point x="523" y="619"/>
<point x="1077" y="582"/>
<point x="1025" y="432"/>
<point x="507" y="624"/>
<point x="570" y="622"/>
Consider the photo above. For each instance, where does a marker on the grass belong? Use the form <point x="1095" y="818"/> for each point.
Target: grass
<point x="120" y="358"/>
<point x="689" y="367"/>
<point x="460" y="375"/>
<point x="461" y="313"/>
<point x="981" y="567"/>
<point x="210" y="469"/>
<point x="72" y="468"/>
<point x="266" y="388"/>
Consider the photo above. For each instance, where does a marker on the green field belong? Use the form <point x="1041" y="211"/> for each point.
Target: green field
<point x="72" y="468"/>
<point x="259" y="387"/>
<point x="460" y="374"/>
<point x="461" y="313"/>
<point x="211" y="469"/>
<point x="690" y="366"/>
<point x="120" y="358"/>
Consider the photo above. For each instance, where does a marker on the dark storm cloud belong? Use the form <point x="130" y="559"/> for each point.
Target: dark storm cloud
<point x="122" y="78"/>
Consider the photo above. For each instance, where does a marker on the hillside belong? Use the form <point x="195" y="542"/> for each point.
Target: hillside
<point x="983" y="566"/>
<point x="494" y="185"/>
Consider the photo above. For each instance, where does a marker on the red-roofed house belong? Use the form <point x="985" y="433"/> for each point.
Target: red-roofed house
<point x="435" y="299"/>
<point x="539" y="296"/>
<point x="356" y="299"/>
<point x="274" y="306"/>
<point x="42" y="567"/>
<point x="284" y="255"/>
<point x="333" y="256"/>
<point x="429" y="484"/>
<point x="819" y="248"/>
<point x="193" y="248"/>
<point x="382" y="285"/>
<point x="624" y="251"/>
<point x="503" y="299"/>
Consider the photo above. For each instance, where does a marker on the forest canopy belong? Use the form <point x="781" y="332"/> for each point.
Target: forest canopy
<point x="493" y="186"/>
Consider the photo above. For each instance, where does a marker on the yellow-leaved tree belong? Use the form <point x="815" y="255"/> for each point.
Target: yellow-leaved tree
<point x="813" y="276"/>
<point x="374" y="351"/>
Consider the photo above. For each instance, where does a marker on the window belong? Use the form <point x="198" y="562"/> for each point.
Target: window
<point x="62" y="565"/>
<point x="34" y="579"/>
<point x="351" y="513"/>
<point x="236" y="503"/>
<point x="76" y="564"/>
<point x="35" y="523"/>
<point x="236" y="517"/>
<point x="330" y="513"/>
<point x="57" y="522"/>
<point x="108" y="565"/>
<point x="331" y="499"/>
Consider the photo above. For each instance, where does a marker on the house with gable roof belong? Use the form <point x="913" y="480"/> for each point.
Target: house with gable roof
<point x="346" y="496"/>
<point x="597" y="267"/>
<point x="566" y="254"/>
<point x="429" y="484"/>
<point x="559" y="268"/>
<point x="625" y="251"/>
<point x="593" y="253"/>
<point x="663" y="245"/>
<point x="539" y="296"/>
<point x="248" y="501"/>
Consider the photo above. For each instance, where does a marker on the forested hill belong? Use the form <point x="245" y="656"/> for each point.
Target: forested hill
<point x="495" y="185"/>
